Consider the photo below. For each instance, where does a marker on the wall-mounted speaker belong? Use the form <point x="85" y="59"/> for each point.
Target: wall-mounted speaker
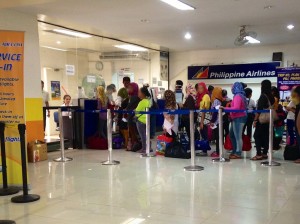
<point x="277" y="56"/>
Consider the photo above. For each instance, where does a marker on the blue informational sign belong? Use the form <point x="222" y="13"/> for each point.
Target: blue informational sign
<point x="237" y="71"/>
<point x="287" y="79"/>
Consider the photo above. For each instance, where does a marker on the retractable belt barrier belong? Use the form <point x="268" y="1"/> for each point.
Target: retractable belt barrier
<point x="149" y="112"/>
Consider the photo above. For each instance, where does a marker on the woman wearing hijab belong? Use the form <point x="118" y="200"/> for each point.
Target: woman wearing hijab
<point x="134" y="100"/>
<point x="171" y="120"/>
<point x="189" y="104"/>
<point x="203" y="103"/>
<point x="216" y="99"/>
<point x="261" y="134"/>
<point x="238" y="119"/>
<point x="102" y="105"/>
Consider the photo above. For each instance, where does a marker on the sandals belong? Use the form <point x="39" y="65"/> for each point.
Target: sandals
<point x="234" y="156"/>
<point x="264" y="156"/>
<point x="256" y="158"/>
<point x="297" y="161"/>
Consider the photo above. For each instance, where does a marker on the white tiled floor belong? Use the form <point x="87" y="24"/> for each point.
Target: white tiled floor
<point x="157" y="190"/>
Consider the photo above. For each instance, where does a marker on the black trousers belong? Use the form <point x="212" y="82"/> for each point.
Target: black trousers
<point x="216" y="138"/>
<point x="261" y="136"/>
<point x="248" y="125"/>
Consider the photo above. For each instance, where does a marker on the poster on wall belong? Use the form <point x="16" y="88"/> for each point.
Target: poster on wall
<point x="70" y="69"/>
<point x="287" y="79"/>
<point x="236" y="71"/>
<point x="12" y="99"/>
<point x="55" y="90"/>
<point x="164" y="66"/>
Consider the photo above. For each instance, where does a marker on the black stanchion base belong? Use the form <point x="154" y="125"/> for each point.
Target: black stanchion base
<point x="25" y="198"/>
<point x="9" y="191"/>
<point x="267" y="163"/>
<point x="7" y="222"/>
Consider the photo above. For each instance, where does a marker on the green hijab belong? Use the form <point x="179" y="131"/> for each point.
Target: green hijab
<point x="123" y="93"/>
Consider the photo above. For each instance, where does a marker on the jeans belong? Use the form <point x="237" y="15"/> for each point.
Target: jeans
<point x="141" y="127"/>
<point x="291" y="130"/>
<point x="236" y="131"/>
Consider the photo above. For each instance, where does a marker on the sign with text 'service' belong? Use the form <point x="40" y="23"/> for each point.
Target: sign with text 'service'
<point x="236" y="71"/>
<point x="12" y="98"/>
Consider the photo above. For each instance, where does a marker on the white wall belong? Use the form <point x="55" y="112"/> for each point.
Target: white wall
<point x="12" y="20"/>
<point x="179" y="61"/>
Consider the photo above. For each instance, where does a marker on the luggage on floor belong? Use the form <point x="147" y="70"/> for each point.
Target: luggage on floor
<point x="162" y="142"/>
<point x="291" y="152"/>
<point x="175" y="150"/>
<point x="95" y="142"/>
<point x="136" y="147"/>
<point x="202" y="145"/>
<point x="183" y="139"/>
<point x="117" y="142"/>
<point x="247" y="146"/>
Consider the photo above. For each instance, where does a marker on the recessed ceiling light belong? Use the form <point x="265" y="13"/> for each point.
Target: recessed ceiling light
<point x="268" y="7"/>
<point x="131" y="47"/>
<point x="187" y="36"/>
<point x="58" y="42"/>
<point x="290" y="27"/>
<point x="178" y="4"/>
<point x="72" y="33"/>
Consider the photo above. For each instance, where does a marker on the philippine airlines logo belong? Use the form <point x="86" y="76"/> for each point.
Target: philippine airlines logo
<point x="202" y="73"/>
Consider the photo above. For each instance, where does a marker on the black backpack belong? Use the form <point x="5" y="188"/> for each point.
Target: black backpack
<point x="175" y="150"/>
<point x="291" y="152"/>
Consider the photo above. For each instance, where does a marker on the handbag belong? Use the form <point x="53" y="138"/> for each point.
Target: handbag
<point x="95" y="142"/>
<point x="264" y="118"/>
<point x="175" y="150"/>
<point x="247" y="146"/>
<point x="162" y="142"/>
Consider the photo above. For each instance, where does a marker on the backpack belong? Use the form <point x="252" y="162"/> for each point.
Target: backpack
<point x="175" y="150"/>
<point x="291" y="152"/>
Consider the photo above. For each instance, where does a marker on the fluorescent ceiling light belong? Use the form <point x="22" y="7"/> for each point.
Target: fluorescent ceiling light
<point x="178" y="4"/>
<point x="290" y="27"/>
<point x="252" y="40"/>
<point x="54" y="48"/>
<point x="72" y="33"/>
<point x="131" y="47"/>
<point x="187" y="36"/>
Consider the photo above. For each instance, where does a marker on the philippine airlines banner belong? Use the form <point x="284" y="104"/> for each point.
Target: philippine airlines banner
<point x="287" y="79"/>
<point x="236" y="71"/>
<point x="12" y="99"/>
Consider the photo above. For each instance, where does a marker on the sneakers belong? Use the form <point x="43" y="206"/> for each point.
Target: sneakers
<point x="215" y="155"/>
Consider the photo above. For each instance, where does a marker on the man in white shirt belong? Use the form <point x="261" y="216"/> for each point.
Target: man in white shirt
<point x="45" y="103"/>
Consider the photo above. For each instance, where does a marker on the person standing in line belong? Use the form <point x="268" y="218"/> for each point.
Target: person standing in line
<point x="297" y="119"/>
<point x="238" y="119"/>
<point x="210" y="89"/>
<point x="291" y="109"/>
<point x="189" y="104"/>
<point x="203" y="103"/>
<point x="102" y="105"/>
<point x="134" y="100"/>
<point x="261" y="134"/>
<point x="216" y="99"/>
<point x="45" y="95"/>
<point x="126" y="81"/>
<point x="171" y="120"/>
<point x="67" y="120"/>
<point x="226" y="121"/>
<point x="250" y="116"/>
<point x="144" y="96"/>
<point x="122" y="117"/>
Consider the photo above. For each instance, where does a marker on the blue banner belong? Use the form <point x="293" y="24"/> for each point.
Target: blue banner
<point x="237" y="71"/>
<point x="287" y="79"/>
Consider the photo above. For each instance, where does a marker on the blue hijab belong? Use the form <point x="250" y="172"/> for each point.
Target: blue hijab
<point x="238" y="89"/>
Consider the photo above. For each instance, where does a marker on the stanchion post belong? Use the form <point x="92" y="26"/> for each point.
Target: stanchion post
<point x="193" y="166"/>
<point x="148" y="144"/>
<point x="5" y="190"/>
<point x="221" y="139"/>
<point x="25" y="198"/>
<point x="110" y="160"/>
<point x="270" y="161"/>
<point x="62" y="157"/>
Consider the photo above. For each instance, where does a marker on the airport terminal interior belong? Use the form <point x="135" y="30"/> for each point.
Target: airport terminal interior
<point x="150" y="111"/>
